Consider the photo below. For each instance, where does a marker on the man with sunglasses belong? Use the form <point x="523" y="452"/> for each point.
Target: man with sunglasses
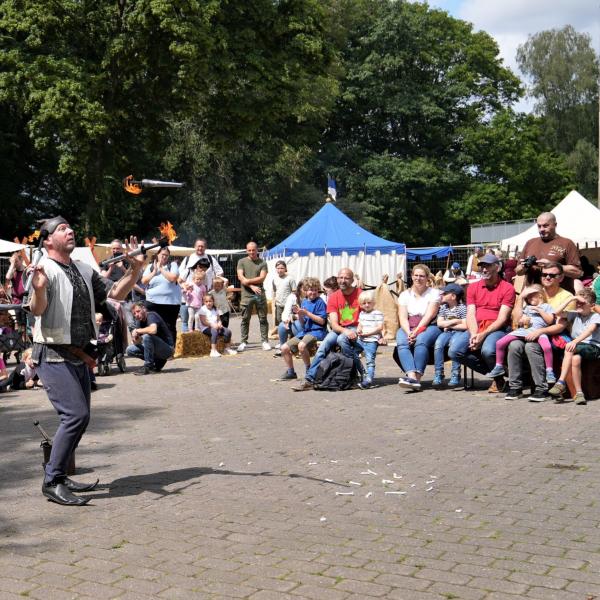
<point x="547" y="248"/>
<point x="552" y="276"/>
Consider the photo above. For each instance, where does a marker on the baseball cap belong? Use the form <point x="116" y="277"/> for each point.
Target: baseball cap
<point x="452" y="288"/>
<point x="489" y="259"/>
<point x="536" y="288"/>
<point x="455" y="265"/>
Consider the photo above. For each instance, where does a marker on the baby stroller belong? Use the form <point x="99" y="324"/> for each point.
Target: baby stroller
<point x="12" y="338"/>
<point x="112" y="336"/>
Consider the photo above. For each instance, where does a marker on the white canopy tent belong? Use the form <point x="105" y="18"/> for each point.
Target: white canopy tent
<point x="576" y="219"/>
<point x="10" y="247"/>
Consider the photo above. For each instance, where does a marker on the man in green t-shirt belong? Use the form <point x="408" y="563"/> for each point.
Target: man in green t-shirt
<point x="251" y="272"/>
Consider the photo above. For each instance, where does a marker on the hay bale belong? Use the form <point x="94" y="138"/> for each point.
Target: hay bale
<point x="195" y="343"/>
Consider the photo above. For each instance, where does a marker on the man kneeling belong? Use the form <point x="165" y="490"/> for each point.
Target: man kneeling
<point x="152" y="340"/>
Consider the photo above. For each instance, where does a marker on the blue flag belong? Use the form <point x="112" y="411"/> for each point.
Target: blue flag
<point x="331" y="189"/>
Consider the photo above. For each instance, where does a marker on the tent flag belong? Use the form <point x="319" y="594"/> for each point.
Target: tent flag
<point x="331" y="188"/>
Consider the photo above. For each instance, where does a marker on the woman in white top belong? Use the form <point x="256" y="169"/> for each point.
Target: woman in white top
<point x="417" y="309"/>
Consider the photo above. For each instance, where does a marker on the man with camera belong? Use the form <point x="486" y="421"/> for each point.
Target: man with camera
<point x="547" y="248"/>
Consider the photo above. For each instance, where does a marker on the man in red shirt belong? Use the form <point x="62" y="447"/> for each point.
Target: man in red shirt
<point x="489" y="306"/>
<point x="342" y="310"/>
<point x="548" y="248"/>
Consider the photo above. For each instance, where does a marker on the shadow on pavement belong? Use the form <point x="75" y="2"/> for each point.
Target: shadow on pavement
<point x="19" y="440"/>
<point x="157" y="482"/>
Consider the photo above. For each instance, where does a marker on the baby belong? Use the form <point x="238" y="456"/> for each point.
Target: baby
<point x="534" y="314"/>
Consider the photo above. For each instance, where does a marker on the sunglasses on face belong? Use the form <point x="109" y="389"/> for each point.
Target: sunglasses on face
<point x="551" y="275"/>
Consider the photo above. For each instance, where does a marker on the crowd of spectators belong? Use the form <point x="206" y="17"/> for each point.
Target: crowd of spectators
<point x="470" y="317"/>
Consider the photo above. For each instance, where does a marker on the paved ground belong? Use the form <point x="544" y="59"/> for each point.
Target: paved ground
<point x="219" y="483"/>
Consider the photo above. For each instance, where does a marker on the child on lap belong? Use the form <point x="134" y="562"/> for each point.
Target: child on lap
<point x="533" y="314"/>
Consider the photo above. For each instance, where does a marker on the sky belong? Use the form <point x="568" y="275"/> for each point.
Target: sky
<point x="510" y="22"/>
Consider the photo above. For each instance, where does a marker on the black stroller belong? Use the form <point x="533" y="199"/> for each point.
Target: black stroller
<point x="112" y="338"/>
<point x="13" y="338"/>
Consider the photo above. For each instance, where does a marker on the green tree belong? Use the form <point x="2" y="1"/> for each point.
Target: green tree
<point x="99" y="89"/>
<point x="563" y="69"/>
<point x="511" y="173"/>
<point x="417" y="82"/>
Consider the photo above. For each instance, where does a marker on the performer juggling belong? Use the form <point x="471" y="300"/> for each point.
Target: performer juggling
<point x="64" y="299"/>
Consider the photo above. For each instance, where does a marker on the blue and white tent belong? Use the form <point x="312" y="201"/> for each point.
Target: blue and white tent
<point x="330" y="240"/>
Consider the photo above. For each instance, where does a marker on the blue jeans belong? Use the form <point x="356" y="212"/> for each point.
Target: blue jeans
<point x="482" y="360"/>
<point x="151" y="348"/>
<point x="285" y="331"/>
<point x="415" y="357"/>
<point x="445" y="339"/>
<point x="370" y="350"/>
<point x="351" y="349"/>
<point x="183" y="315"/>
<point x="330" y="341"/>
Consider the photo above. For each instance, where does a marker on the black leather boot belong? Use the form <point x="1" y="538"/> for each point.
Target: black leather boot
<point x="59" y="493"/>
<point x="76" y="486"/>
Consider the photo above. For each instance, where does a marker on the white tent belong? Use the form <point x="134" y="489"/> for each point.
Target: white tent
<point x="6" y="247"/>
<point x="576" y="219"/>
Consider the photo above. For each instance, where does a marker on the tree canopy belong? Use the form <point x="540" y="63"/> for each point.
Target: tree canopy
<point x="563" y="69"/>
<point x="251" y="104"/>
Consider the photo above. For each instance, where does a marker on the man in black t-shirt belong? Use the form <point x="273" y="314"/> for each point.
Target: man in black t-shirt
<point x="152" y="340"/>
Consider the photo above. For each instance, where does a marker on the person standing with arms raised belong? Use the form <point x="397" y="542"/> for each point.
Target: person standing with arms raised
<point x="64" y="299"/>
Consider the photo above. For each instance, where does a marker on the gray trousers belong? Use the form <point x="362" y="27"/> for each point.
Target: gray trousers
<point x="68" y="389"/>
<point x="518" y="350"/>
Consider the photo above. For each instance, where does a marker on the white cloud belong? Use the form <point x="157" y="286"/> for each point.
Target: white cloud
<point x="510" y="22"/>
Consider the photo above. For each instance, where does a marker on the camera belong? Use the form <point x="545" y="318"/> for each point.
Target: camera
<point x="529" y="262"/>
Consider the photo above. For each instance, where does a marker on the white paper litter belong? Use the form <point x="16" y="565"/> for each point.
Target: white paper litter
<point x="396" y="476"/>
<point x="355" y="483"/>
<point x="396" y="493"/>
<point x="368" y="472"/>
<point x="384" y="481"/>
<point x="458" y="510"/>
<point x="344" y="493"/>
<point x="368" y="494"/>
<point x="329" y="480"/>
<point x="313" y="463"/>
<point x="429" y="489"/>
<point x="323" y="519"/>
<point x="430" y="481"/>
<point x="221" y="464"/>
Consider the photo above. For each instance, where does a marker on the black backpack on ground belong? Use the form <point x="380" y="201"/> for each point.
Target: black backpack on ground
<point x="336" y="372"/>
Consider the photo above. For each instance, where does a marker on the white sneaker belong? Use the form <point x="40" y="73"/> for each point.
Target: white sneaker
<point x="277" y="346"/>
<point x="241" y="347"/>
<point x="214" y="354"/>
<point x="266" y="346"/>
<point x="230" y="352"/>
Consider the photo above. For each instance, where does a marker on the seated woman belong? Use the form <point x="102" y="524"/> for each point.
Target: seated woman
<point x="417" y="309"/>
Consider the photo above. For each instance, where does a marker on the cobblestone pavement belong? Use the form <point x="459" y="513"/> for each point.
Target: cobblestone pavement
<point x="218" y="482"/>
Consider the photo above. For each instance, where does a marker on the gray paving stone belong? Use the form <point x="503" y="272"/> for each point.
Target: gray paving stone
<point x="208" y="492"/>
